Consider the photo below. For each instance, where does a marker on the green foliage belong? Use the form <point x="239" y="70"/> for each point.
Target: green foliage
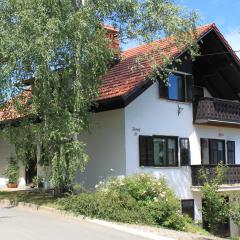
<point x="38" y="181"/>
<point x="62" y="47"/>
<point x="235" y="210"/>
<point x="12" y="172"/>
<point x="215" y="208"/>
<point x="140" y="199"/>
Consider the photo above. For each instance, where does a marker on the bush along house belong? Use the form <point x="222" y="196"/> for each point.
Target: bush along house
<point x="170" y="131"/>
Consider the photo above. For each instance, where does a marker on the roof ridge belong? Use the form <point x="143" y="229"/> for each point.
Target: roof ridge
<point x="209" y="25"/>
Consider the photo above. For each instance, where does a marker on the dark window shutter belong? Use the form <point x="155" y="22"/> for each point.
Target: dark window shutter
<point x="184" y="151"/>
<point x="146" y="150"/>
<point x="189" y="88"/>
<point x="231" y="152"/>
<point x="163" y="89"/>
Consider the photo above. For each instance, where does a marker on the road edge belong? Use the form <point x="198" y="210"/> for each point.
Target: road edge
<point x="119" y="227"/>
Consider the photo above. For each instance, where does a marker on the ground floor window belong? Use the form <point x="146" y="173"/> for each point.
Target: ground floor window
<point x="158" y="151"/>
<point x="231" y="152"/>
<point x="188" y="208"/>
<point x="165" y="151"/>
<point x="212" y="151"/>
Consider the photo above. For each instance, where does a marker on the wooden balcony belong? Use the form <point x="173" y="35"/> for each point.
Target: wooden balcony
<point x="232" y="174"/>
<point x="213" y="111"/>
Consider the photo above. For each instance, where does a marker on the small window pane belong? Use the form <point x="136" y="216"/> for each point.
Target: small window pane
<point x="159" y="151"/>
<point x="176" y="87"/>
<point x="172" y="158"/>
<point x="165" y="151"/>
<point x="204" y="151"/>
<point x="188" y="208"/>
<point x="184" y="151"/>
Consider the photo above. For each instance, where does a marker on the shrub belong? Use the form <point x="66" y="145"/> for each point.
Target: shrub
<point x="216" y="207"/>
<point x="12" y="172"/>
<point x="235" y="210"/>
<point x="141" y="199"/>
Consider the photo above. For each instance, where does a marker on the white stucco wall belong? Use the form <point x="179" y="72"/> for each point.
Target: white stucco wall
<point x="154" y="116"/>
<point x="150" y="115"/>
<point x="106" y="148"/>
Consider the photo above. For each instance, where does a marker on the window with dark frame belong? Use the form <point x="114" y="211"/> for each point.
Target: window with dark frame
<point x="212" y="151"/>
<point x="217" y="151"/>
<point x="178" y="87"/>
<point x="159" y="151"/>
<point x="184" y="151"/>
<point x="231" y="152"/>
<point x="188" y="208"/>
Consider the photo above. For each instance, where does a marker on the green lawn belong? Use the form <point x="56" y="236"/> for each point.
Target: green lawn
<point x="36" y="197"/>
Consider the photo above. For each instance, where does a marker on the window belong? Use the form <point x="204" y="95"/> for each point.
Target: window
<point x="213" y="151"/>
<point x="158" y="151"/>
<point x="165" y="151"/>
<point x="178" y="88"/>
<point x="184" y="151"/>
<point x="231" y="152"/>
<point x="217" y="151"/>
<point x="188" y="208"/>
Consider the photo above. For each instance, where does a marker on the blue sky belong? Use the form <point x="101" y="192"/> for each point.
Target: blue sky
<point x="225" y="13"/>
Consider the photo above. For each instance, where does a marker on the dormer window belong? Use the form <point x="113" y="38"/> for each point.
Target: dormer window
<point x="177" y="88"/>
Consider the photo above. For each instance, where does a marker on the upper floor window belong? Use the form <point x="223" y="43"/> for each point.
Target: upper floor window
<point x="177" y="88"/>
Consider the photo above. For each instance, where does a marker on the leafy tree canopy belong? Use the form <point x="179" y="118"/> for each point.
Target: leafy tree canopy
<point x="62" y="45"/>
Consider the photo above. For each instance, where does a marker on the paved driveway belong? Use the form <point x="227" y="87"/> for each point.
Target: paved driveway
<point x="19" y="224"/>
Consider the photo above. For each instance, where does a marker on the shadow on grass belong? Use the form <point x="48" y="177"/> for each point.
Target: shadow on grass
<point x="40" y="198"/>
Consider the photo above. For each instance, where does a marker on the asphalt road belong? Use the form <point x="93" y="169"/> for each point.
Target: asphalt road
<point x="21" y="224"/>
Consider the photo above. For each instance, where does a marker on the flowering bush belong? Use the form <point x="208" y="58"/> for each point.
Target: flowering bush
<point x="140" y="198"/>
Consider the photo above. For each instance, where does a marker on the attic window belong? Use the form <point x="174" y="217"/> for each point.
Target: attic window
<point x="178" y="87"/>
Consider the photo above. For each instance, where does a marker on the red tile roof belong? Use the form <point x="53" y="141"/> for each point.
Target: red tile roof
<point x="8" y="112"/>
<point x="121" y="79"/>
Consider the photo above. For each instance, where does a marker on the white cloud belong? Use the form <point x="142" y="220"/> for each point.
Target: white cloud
<point x="233" y="37"/>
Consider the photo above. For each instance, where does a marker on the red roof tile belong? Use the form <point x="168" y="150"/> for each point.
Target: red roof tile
<point x="8" y="112"/>
<point x="121" y="79"/>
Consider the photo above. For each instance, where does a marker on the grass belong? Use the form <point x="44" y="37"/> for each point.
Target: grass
<point x="40" y="198"/>
<point x="194" y="228"/>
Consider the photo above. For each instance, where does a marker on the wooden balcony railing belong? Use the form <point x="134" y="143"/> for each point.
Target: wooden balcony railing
<point x="216" y="111"/>
<point x="232" y="174"/>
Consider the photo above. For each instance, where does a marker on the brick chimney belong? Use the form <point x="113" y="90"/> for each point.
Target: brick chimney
<point x="113" y="35"/>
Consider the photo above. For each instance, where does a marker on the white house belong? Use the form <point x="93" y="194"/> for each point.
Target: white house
<point x="169" y="131"/>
